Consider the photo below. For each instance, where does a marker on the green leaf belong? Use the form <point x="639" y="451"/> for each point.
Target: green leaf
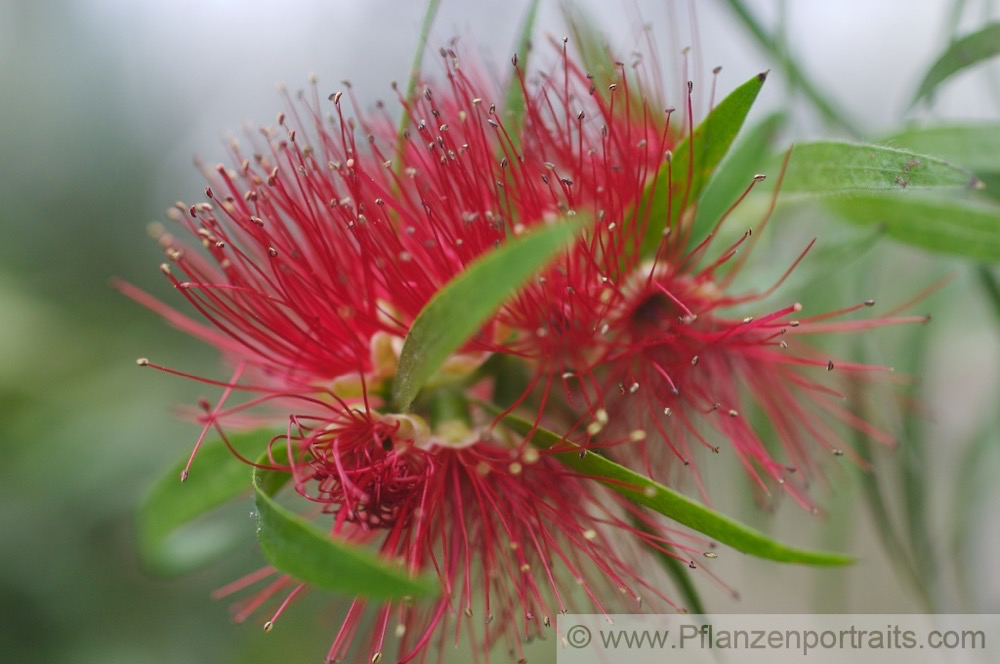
<point x="643" y="491"/>
<point x="590" y="43"/>
<point x="874" y="484"/>
<point x="462" y="306"/>
<point x="690" y="168"/>
<point x="217" y="477"/>
<point x="830" y="167"/>
<point x="959" y="55"/>
<point x="974" y="146"/>
<point x="878" y="508"/>
<point x="940" y="225"/>
<point x="418" y="55"/>
<point x="991" y="184"/>
<point x="303" y="551"/>
<point x="600" y="62"/>
<point x="515" y="101"/>
<point x="411" y="86"/>
<point x="734" y="175"/>
<point x="988" y="280"/>
<point x="915" y="469"/>
<point x="978" y="470"/>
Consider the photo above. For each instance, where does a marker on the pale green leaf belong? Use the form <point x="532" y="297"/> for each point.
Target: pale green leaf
<point x="960" y="54"/>
<point x="973" y="146"/>
<point x="515" y="101"/>
<point x="940" y="225"/>
<point x="303" y="551"/>
<point x="734" y="175"/>
<point x="681" y="181"/>
<point x="415" y="65"/>
<point x="830" y="167"/>
<point x="463" y="305"/>
<point x="643" y="491"/>
<point x="595" y="54"/>
<point x="217" y="476"/>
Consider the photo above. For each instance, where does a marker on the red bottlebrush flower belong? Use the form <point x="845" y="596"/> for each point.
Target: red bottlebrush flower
<point x="323" y="251"/>
<point x="329" y="237"/>
<point x="682" y="374"/>
<point x="319" y="250"/>
<point x="512" y="535"/>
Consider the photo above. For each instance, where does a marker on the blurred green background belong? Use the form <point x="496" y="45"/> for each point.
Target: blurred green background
<point x="104" y="104"/>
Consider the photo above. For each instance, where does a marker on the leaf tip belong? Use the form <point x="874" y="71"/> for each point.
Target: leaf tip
<point x="763" y="75"/>
<point x="976" y="183"/>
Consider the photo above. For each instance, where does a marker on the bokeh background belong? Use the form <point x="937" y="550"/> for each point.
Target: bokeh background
<point x="103" y="106"/>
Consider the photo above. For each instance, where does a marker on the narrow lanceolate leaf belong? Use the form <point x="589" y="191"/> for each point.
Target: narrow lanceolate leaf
<point x="643" y="491"/>
<point x="515" y="101"/>
<point x="418" y="55"/>
<point x="418" y="58"/>
<point x="877" y="489"/>
<point x="216" y="477"/>
<point x="961" y="54"/>
<point x="973" y="146"/>
<point x="303" y="551"/>
<point x="830" y="167"/>
<point x="463" y="305"/>
<point x="915" y="469"/>
<point x="978" y="469"/>
<point x="939" y="225"/>
<point x="734" y="175"/>
<point x="679" y="183"/>
<point x="591" y="44"/>
<point x="991" y="285"/>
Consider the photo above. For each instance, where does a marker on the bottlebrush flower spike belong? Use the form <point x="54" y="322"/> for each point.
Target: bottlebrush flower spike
<point x="513" y="539"/>
<point x="318" y="252"/>
<point x="331" y="235"/>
